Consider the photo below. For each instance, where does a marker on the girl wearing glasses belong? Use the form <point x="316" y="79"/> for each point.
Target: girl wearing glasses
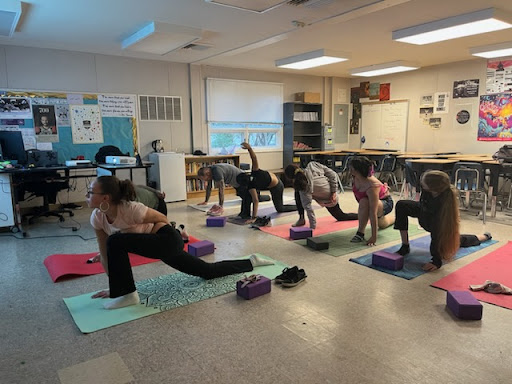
<point x="123" y="225"/>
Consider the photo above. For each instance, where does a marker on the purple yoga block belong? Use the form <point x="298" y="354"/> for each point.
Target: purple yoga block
<point x="201" y="248"/>
<point x="388" y="260"/>
<point x="255" y="289"/>
<point x="464" y="305"/>
<point x="297" y="233"/>
<point x="216" y="221"/>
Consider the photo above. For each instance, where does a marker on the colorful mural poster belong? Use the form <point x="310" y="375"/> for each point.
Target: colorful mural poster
<point x="499" y="75"/>
<point x="495" y="117"/>
<point x="86" y="124"/>
<point x="374" y="91"/>
<point x="385" y="92"/>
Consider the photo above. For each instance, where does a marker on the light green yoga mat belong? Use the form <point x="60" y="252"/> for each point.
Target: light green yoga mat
<point x="339" y="242"/>
<point x="158" y="295"/>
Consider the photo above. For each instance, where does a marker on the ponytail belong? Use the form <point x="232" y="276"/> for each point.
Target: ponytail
<point x="300" y="181"/>
<point x="117" y="189"/>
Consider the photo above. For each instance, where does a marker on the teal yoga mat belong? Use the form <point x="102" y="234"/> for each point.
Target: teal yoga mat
<point x="157" y="295"/>
<point x="420" y="254"/>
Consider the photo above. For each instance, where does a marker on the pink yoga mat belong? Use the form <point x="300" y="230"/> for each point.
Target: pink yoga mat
<point x="61" y="266"/>
<point x="495" y="266"/>
<point x="326" y="224"/>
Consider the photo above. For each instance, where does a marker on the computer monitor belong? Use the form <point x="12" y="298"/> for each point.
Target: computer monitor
<point x="12" y="146"/>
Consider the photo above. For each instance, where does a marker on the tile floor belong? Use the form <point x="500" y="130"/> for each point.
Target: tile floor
<point x="345" y="324"/>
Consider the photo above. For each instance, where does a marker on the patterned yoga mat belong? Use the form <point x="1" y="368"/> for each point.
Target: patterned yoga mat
<point x="157" y="295"/>
<point x="420" y="254"/>
<point x="339" y="242"/>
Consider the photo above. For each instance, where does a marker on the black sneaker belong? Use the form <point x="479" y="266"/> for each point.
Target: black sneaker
<point x="295" y="279"/>
<point x="287" y="273"/>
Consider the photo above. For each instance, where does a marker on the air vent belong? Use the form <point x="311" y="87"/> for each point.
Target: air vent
<point x="160" y="108"/>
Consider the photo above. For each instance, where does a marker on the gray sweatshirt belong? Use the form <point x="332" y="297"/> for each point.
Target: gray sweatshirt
<point x="322" y="183"/>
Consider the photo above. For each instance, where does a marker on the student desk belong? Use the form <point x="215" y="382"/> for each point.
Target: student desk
<point x="110" y="169"/>
<point x="421" y="165"/>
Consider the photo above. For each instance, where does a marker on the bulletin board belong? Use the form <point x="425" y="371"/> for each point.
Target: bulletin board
<point x="111" y="118"/>
<point x="384" y="125"/>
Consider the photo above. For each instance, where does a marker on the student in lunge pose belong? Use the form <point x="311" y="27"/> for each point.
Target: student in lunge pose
<point x="123" y="225"/>
<point x="437" y="212"/>
<point x="320" y="183"/>
<point x="375" y="202"/>
<point x="260" y="180"/>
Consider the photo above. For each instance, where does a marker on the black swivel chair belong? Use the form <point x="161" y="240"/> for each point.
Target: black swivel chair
<point x="46" y="186"/>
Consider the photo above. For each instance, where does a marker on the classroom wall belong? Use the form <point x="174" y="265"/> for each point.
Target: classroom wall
<point x="54" y="70"/>
<point x="292" y="84"/>
<point x="452" y="135"/>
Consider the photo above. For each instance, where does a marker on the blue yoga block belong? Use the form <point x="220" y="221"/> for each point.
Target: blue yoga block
<point x="464" y="305"/>
<point x="201" y="248"/>
<point x="216" y="221"/>
<point x="297" y="233"/>
<point x="388" y="260"/>
<point x="317" y="243"/>
<point x="253" y="289"/>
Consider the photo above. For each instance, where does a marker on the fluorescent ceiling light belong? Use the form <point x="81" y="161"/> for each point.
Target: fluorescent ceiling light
<point x="474" y="23"/>
<point x="10" y="12"/>
<point x="312" y="59"/>
<point x="492" y="51"/>
<point x="384" y="69"/>
<point x="161" y="38"/>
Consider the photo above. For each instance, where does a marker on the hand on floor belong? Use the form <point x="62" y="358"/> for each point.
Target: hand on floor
<point x="372" y="241"/>
<point x="429" y="267"/>
<point x="101" y="294"/>
<point x="94" y="259"/>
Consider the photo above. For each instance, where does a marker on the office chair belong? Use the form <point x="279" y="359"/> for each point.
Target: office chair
<point x="386" y="170"/>
<point x="46" y="186"/>
<point x="410" y="188"/>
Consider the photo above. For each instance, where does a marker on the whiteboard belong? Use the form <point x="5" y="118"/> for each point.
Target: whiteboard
<point x="384" y="125"/>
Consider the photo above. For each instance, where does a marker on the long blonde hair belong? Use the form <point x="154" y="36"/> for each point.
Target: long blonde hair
<point x="449" y="228"/>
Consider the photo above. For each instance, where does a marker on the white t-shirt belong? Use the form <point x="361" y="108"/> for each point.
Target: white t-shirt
<point x="130" y="216"/>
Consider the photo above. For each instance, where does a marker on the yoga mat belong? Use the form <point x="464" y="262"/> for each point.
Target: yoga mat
<point x="495" y="266"/>
<point x="326" y="224"/>
<point x="158" y="295"/>
<point x="266" y="211"/>
<point x="420" y="254"/>
<point x="62" y="266"/>
<point x="339" y="242"/>
<point x="207" y="207"/>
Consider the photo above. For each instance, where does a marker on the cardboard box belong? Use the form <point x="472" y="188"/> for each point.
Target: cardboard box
<point x="307" y="97"/>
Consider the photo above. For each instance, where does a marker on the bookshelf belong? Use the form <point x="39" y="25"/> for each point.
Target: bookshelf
<point x="302" y="130"/>
<point x="195" y="187"/>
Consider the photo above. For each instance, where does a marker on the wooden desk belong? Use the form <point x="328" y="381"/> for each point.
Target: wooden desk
<point x="422" y="165"/>
<point x="464" y="155"/>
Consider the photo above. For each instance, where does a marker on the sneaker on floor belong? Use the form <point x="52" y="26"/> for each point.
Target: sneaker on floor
<point x="357" y="239"/>
<point x="295" y="279"/>
<point x="287" y="273"/>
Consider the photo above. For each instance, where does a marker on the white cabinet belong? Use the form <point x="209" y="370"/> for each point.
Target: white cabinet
<point x="168" y="172"/>
<point x="6" y="211"/>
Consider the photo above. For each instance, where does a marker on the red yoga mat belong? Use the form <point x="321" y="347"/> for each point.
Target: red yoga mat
<point x="61" y="266"/>
<point x="325" y="224"/>
<point x="495" y="266"/>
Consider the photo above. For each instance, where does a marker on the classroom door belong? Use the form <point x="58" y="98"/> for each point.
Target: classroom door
<point x="340" y="125"/>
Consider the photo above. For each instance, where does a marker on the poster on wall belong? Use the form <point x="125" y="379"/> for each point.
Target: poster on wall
<point x="15" y="108"/>
<point x="364" y="89"/>
<point x="495" y="117"/>
<point x="499" y="75"/>
<point x="354" y="126"/>
<point x="465" y="88"/>
<point x="427" y="100"/>
<point x="374" y="91"/>
<point x="45" y="126"/>
<point x="425" y="114"/>
<point x="385" y="92"/>
<point x="117" y="105"/>
<point x="435" y="122"/>
<point x="86" y="124"/>
<point x="441" y="102"/>
<point x="354" y="95"/>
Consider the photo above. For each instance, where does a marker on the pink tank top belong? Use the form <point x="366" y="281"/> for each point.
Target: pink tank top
<point x="383" y="192"/>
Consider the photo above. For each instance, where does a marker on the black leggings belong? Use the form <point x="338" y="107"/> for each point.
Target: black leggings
<point x="166" y="245"/>
<point x="277" y="199"/>
<point x="335" y="211"/>
<point x="408" y="208"/>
